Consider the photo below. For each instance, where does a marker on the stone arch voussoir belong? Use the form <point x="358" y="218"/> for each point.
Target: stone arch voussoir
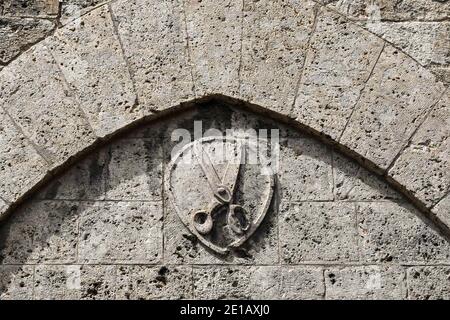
<point x="132" y="61"/>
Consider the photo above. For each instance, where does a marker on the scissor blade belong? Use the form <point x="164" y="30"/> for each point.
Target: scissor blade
<point x="207" y="167"/>
<point x="232" y="170"/>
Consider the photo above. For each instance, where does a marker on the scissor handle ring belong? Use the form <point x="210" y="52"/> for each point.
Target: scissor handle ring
<point x="202" y="221"/>
<point x="238" y="219"/>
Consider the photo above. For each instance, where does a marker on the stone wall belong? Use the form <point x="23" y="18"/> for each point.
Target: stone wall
<point x="421" y="28"/>
<point x="105" y="229"/>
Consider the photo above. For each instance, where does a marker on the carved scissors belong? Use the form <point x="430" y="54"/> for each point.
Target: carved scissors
<point x="223" y="193"/>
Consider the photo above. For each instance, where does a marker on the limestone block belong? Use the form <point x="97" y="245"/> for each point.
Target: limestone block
<point x="18" y="33"/>
<point x="103" y="226"/>
<point x="154" y="282"/>
<point x="91" y="59"/>
<point x="3" y="207"/>
<point x="392" y="105"/>
<point x="422" y="10"/>
<point x="365" y="282"/>
<point x="180" y="246"/>
<point x="274" y="43"/>
<point x="426" y="42"/>
<point x="153" y="38"/>
<point x="84" y="181"/>
<point x="353" y="182"/>
<point x="55" y="230"/>
<point x="42" y="8"/>
<point x="442" y="210"/>
<point x="50" y="117"/>
<point x="134" y="170"/>
<point x="305" y="171"/>
<point x="429" y="283"/>
<point x="318" y="232"/>
<point x="424" y="166"/>
<point x="302" y="282"/>
<point x="20" y="164"/>
<point x="214" y="35"/>
<point x="339" y="62"/>
<point x="67" y="282"/>
<point x="16" y="282"/>
<point x="237" y="282"/>
<point x="73" y="9"/>
<point x="394" y="232"/>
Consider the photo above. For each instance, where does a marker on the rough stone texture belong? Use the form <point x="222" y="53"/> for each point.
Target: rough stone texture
<point x="44" y="8"/>
<point x="385" y="10"/>
<point x="429" y="283"/>
<point x="20" y="165"/>
<point x="16" y="282"/>
<point x="214" y="37"/>
<point x="318" y="231"/>
<point x="73" y="9"/>
<point x="365" y="282"/>
<point x="305" y="169"/>
<point x="135" y="247"/>
<point x="155" y="50"/>
<point x="356" y="184"/>
<point x="426" y="42"/>
<point x="69" y="282"/>
<point x="275" y="38"/>
<point x="339" y="62"/>
<point x="427" y="156"/>
<point x="90" y="57"/>
<point x="138" y="179"/>
<point x="85" y="181"/>
<point x="18" y="34"/>
<point x="392" y="232"/>
<point x="442" y="209"/>
<point x="145" y="282"/>
<point x="121" y="232"/>
<point x="50" y="117"/>
<point x="393" y="104"/>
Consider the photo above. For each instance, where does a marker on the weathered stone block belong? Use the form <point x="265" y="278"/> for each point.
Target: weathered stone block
<point x="67" y="282"/>
<point x="3" y="207"/>
<point x="84" y="181"/>
<point x="50" y="117"/>
<point x="158" y="282"/>
<point x="134" y="170"/>
<point x="274" y="44"/>
<point x="394" y="232"/>
<point x="318" y="232"/>
<point x="429" y="283"/>
<point x="91" y="59"/>
<point x="236" y="282"/>
<point x="214" y="35"/>
<point x="302" y="282"/>
<point x="442" y="209"/>
<point x="392" y="105"/>
<point x="121" y="232"/>
<point x="365" y="282"/>
<point x="339" y="62"/>
<point x="18" y="33"/>
<point x="424" y="165"/>
<point x="426" y="42"/>
<point x="421" y="10"/>
<point x="180" y="246"/>
<point x="305" y="171"/>
<point x="154" y="44"/>
<point x="42" y="8"/>
<point x="73" y="9"/>
<point x="20" y="164"/>
<point x="16" y="282"/>
<point x="353" y="182"/>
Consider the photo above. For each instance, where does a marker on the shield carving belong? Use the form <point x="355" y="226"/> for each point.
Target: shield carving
<point x="221" y="189"/>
